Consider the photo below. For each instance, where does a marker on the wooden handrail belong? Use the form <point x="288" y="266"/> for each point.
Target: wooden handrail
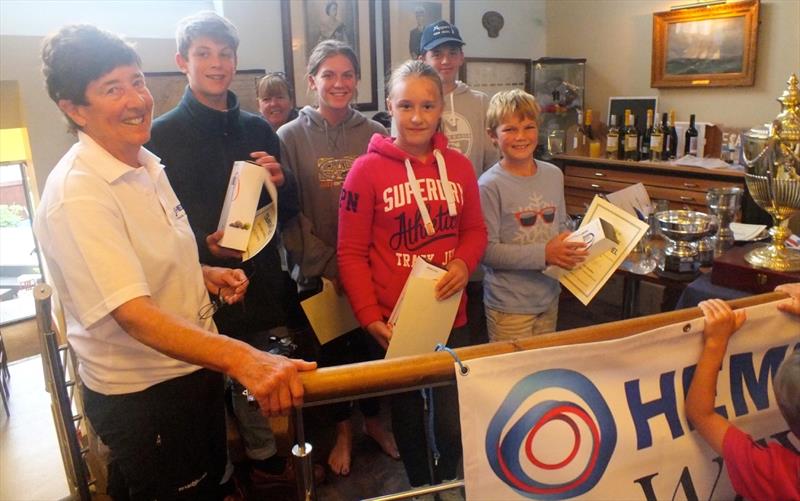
<point x="387" y="376"/>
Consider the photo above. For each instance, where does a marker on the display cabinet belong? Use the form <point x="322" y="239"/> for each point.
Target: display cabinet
<point x="558" y="85"/>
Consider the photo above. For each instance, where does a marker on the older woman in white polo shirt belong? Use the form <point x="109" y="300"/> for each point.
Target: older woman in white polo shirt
<point x="124" y="262"/>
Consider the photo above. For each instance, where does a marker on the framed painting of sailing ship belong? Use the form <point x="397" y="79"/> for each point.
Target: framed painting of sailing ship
<point x="705" y="46"/>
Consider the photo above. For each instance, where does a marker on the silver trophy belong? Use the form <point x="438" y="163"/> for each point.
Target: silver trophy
<point x="772" y="155"/>
<point x="682" y="229"/>
<point x="724" y="203"/>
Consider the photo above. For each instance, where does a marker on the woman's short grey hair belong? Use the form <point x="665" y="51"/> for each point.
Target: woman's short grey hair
<point x="77" y="55"/>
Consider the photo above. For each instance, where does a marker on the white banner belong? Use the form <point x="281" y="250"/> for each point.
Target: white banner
<point x="606" y="420"/>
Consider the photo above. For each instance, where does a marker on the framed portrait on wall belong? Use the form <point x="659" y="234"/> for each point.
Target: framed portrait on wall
<point x="403" y="21"/>
<point x="308" y="22"/>
<point x="712" y="46"/>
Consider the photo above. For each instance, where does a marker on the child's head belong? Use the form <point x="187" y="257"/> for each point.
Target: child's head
<point x="275" y="100"/>
<point x="441" y="47"/>
<point x="415" y="100"/>
<point x="787" y="391"/>
<point x="205" y="24"/>
<point x="513" y="115"/>
<point x="207" y="44"/>
<point x="333" y="74"/>
<point x="513" y="102"/>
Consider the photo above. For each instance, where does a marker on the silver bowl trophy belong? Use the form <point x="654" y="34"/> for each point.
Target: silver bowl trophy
<point x="683" y="229"/>
<point x="724" y="203"/>
<point x="772" y="155"/>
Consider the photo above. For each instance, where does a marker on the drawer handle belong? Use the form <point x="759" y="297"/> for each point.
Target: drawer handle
<point x="597" y="186"/>
<point x="599" y="174"/>
<point x="690" y="185"/>
<point x="687" y="199"/>
<point x="761" y="279"/>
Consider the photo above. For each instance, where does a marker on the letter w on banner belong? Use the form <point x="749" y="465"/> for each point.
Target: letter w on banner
<point x="606" y="420"/>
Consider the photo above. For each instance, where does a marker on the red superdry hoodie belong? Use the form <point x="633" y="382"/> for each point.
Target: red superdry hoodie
<point x="381" y="229"/>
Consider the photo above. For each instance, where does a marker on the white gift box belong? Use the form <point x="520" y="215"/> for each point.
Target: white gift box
<point x="241" y="202"/>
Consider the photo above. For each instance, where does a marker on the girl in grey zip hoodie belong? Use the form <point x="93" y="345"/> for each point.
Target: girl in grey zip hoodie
<point x="320" y="147"/>
<point x="320" y="155"/>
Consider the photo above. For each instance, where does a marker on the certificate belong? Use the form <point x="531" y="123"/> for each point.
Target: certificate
<point x="586" y="280"/>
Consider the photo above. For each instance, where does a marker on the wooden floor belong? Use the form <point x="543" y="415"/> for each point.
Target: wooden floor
<point x="31" y="467"/>
<point x="30" y="462"/>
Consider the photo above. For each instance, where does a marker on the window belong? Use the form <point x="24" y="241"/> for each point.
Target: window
<point x="20" y="267"/>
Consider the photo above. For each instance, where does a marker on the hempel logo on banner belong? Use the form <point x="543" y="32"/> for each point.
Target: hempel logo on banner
<point x="595" y="421"/>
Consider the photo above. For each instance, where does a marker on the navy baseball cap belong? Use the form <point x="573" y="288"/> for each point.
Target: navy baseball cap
<point x="438" y="33"/>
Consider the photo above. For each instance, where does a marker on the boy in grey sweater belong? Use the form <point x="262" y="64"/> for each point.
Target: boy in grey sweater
<point x="523" y="205"/>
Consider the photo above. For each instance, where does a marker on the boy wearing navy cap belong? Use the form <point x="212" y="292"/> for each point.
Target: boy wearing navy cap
<point x="464" y="124"/>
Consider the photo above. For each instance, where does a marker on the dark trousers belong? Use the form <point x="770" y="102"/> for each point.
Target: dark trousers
<point x="166" y="442"/>
<point x="476" y="314"/>
<point x="348" y="349"/>
<point x="409" y="415"/>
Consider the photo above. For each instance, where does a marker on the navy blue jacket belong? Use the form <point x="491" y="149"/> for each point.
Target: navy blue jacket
<point x="198" y="146"/>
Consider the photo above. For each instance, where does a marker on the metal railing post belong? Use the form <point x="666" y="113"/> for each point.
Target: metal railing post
<point x="61" y="405"/>
<point x="304" y="466"/>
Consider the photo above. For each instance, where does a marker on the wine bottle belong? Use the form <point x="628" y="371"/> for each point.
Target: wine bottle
<point x="623" y="129"/>
<point x="644" y="150"/>
<point x="579" y="143"/>
<point x="612" y="139"/>
<point x="673" y="137"/>
<point x="631" y="139"/>
<point x="690" y="148"/>
<point x="666" y="141"/>
<point x="657" y="139"/>
<point x="587" y="126"/>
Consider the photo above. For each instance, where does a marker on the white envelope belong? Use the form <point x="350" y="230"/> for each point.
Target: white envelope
<point x="329" y="313"/>
<point x="419" y="321"/>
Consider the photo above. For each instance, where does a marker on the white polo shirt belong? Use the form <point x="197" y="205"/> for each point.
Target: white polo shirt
<point x="111" y="233"/>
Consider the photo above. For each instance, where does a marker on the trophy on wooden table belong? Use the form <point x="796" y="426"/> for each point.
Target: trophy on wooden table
<point x="683" y="229"/>
<point x="724" y="203"/>
<point x="772" y="155"/>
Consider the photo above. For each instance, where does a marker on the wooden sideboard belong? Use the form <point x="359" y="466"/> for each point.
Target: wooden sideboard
<point x="684" y="187"/>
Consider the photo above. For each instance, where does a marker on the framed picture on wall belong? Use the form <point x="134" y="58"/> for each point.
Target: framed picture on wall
<point x="403" y="21"/>
<point x="308" y="22"/>
<point x="492" y="75"/>
<point x="712" y="46"/>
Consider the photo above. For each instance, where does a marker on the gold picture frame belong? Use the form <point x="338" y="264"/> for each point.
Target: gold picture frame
<point x="705" y="46"/>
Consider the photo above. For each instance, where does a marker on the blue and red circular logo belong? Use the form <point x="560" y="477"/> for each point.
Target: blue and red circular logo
<point x="545" y="447"/>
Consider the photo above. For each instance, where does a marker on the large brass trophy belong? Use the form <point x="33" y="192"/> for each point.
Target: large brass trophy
<point x="773" y="178"/>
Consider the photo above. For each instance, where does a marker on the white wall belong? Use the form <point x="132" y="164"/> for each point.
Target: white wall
<point x="523" y="34"/>
<point x="615" y="36"/>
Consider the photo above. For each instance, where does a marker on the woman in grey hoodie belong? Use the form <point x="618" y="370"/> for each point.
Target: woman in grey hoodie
<point x="320" y="146"/>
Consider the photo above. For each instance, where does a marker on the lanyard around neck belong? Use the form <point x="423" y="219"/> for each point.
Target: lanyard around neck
<point x="446" y="187"/>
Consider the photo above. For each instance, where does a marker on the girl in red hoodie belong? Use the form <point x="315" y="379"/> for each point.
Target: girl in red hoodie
<point x="409" y="197"/>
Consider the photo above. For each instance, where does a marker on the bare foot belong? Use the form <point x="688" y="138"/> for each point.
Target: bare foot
<point x="339" y="458"/>
<point x="373" y="427"/>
